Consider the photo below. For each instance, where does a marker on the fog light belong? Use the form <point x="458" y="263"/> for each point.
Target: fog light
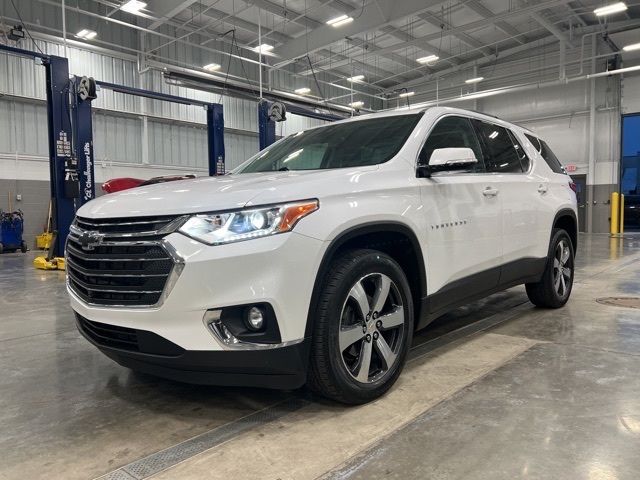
<point x="255" y="319"/>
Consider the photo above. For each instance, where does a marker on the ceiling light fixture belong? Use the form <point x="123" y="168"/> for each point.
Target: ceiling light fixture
<point x="339" y="21"/>
<point x="86" y="34"/>
<point x="474" y="80"/>
<point x="302" y="91"/>
<point x="355" y="78"/>
<point x="609" y="9"/>
<point x="407" y="94"/>
<point x="632" y="47"/>
<point x="357" y="104"/>
<point x="264" y="48"/>
<point x="133" y="6"/>
<point x="212" y="67"/>
<point x="429" y="59"/>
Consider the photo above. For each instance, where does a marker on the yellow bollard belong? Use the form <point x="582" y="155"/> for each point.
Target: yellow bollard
<point x="621" y="213"/>
<point x="615" y="213"/>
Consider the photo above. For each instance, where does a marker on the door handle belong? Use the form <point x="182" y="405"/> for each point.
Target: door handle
<point x="542" y="188"/>
<point x="490" y="192"/>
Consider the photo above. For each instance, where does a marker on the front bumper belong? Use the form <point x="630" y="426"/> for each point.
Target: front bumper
<point x="278" y="270"/>
<point x="281" y="368"/>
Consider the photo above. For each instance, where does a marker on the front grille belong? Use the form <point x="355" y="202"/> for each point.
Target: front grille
<point x="129" y="226"/>
<point x="129" y="339"/>
<point x="119" y="262"/>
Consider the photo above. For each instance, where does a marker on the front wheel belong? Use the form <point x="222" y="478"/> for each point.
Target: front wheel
<point x="554" y="289"/>
<point x="363" y="326"/>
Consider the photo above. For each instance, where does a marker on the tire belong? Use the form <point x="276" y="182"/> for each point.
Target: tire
<point x="344" y="337"/>
<point x="554" y="289"/>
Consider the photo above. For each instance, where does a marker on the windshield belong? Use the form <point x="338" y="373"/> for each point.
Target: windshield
<point x="349" y="144"/>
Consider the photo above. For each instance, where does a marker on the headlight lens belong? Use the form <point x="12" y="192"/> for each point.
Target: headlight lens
<point x="227" y="227"/>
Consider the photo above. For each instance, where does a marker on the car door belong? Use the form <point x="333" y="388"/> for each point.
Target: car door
<point x="520" y="191"/>
<point x="463" y="217"/>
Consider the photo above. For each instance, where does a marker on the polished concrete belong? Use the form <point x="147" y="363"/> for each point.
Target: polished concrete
<point x="498" y="389"/>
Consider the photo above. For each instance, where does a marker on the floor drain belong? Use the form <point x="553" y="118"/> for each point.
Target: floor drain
<point x="626" y="302"/>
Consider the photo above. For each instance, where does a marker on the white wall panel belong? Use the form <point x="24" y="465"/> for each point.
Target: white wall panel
<point x="631" y="93"/>
<point x="117" y="139"/>
<point x="23" y="128"/>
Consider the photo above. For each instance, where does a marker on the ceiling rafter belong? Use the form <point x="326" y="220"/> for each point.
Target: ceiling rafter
<point x="505" y="27"/>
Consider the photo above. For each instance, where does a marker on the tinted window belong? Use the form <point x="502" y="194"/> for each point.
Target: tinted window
<point x="349" y="144"/>
<point x="546" y="153"/>
<point x="500" y="152"/>
<point x="453" y="132"/>
<point x="524" y="159"/>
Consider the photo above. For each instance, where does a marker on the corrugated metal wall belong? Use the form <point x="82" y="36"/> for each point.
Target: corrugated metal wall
<point x="176" y="134"/>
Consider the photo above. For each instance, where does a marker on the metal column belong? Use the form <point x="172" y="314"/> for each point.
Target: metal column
<point x="266" y="126"/>
<point x="83" y="144"/>
<point x="62" y="166"/>
<point x="215" y="139"/>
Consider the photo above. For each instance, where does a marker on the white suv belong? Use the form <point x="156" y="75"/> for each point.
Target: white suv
<point x="316" y="260"/>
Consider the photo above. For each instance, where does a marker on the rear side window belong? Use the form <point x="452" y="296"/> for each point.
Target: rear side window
<point x="453" y="132"/>
<point x="500" y="153"/>
<point x="546" y="153"/>
<point x="524" y="159"/>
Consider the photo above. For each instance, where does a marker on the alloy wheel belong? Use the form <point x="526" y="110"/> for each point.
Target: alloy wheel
<point x="371" y="328"/>
<point x="562" y="268"/>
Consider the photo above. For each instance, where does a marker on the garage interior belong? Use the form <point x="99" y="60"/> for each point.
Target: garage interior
<point x="497" y="389"/>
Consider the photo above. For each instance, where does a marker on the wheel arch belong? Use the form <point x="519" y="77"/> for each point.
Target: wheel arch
<point x="568" y="220"/>
<point x="392" y="238"/>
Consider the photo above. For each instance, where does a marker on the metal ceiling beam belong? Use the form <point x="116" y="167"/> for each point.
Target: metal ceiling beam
<point x="505" y="27"/>
<point x="167" y="9"/>
<point x="475" y="25"/>
<point x="374" y="16"/>
<point x="446" y="28"/>
<point x="553" y="29"/>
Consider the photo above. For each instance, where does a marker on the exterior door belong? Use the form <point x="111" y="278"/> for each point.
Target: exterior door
<point x="463" y="212"/>
<point x="522" y="196"/>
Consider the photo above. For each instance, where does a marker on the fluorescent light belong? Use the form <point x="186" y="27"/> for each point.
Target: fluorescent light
<point x="133" y="6"/>
<point x="356" y="104"/>
<point x="265" y="47"/>
<point x="86" y="34"/>
<point x="407" y="94"/>
<point x="212" y="67"/>
<point x="474" y="80"/>
<point x="634" y="46"/>
<point x="302" y="91"/>
<point x="429" y="59"/>
<point x="356" y="78"/>
<point x="339" y="21"/>
<point x="609" y="9"/>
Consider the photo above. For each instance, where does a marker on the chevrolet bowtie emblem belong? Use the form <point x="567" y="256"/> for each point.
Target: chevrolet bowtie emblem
<point x="90" y="240"/>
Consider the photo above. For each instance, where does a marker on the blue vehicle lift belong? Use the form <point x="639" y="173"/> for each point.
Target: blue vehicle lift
<point x="71" y="160"/>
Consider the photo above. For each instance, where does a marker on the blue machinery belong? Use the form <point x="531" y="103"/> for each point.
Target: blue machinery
<point x="71" y="157"/>
<point x="71" y="161"/>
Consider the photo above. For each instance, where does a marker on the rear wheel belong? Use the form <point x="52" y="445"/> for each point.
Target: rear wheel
<point x="363" y="328"/>
<point x="554" y="289"/>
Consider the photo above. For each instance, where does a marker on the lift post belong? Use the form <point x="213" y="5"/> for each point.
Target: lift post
<point x="63" y="168"/>
<point x="83" y="143"/>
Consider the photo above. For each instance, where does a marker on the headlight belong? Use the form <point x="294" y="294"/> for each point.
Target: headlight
<point x="227" y="227"/>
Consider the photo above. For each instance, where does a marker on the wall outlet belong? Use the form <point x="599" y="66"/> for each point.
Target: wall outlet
<point x="19" y="197"/>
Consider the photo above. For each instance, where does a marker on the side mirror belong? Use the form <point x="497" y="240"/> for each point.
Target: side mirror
<point x="443" y="159"/>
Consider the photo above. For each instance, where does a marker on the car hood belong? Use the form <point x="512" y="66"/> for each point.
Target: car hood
<point x="206" y="194"/>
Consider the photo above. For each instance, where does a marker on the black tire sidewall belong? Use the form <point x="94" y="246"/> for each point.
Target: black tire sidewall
<point x="362" y="265"/>
<point x="558" y="235"/>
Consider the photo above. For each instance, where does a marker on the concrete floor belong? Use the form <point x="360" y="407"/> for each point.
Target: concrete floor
<point x="497" y="389"/>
